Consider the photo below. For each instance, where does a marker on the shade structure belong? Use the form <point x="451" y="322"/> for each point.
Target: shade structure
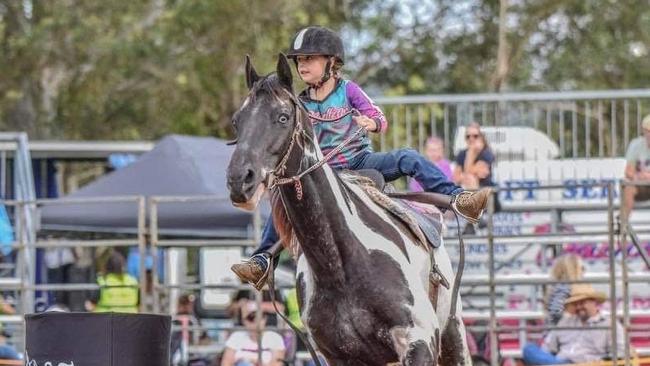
<point x="177" y="166"/>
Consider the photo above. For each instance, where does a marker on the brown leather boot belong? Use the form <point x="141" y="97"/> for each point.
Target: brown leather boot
<point x="254" y="270"/>
<point x="470" y="205"/>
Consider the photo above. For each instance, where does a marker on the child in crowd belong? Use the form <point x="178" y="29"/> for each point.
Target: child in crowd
<point x="434" y="150"/>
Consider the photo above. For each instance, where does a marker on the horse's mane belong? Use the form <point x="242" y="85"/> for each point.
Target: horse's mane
<point x="271" y="85"/>
<point x="282" y="224"/>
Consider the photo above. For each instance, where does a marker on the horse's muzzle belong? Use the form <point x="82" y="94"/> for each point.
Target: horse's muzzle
<point x="248" y="203"/>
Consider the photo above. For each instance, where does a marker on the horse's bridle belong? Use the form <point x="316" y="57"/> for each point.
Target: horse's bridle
<point x="274" y="178"/>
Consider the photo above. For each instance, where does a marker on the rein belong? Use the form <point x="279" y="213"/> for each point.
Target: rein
<point x="274" y="179"/>
<point x="301" y="334"/>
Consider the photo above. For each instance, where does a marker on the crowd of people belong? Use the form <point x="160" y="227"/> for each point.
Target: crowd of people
<point x="574" y="309"/>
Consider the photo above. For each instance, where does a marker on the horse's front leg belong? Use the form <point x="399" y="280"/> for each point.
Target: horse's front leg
<point x="454" y="350"/>
<point x="416" y="346"/>
<point x="454" y="345"/>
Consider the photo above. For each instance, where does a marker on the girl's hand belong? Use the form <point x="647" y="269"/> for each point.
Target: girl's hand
<point x="368" y="123"/>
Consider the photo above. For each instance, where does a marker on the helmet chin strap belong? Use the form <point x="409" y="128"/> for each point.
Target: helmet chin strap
<point x="326" y="75"/>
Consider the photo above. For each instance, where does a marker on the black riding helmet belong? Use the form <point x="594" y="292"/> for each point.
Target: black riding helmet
<point x="317" y="40"/>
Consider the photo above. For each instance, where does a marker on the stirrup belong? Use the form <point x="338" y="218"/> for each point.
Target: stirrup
<point x="269" y="267"/>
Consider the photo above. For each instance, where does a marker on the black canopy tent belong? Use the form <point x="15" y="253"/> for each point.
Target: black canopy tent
<point x="177" y="166"/>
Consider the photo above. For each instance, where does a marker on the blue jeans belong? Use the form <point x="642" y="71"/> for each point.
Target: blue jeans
<point x="244" y="363"/>
<point x="8" y="353"/>
<point x="392" y="165"/>
<point x="535" y="355"/>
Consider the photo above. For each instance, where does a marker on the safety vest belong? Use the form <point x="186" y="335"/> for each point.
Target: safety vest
<point x="293" y="311"/>
<point x="117" y="293"/>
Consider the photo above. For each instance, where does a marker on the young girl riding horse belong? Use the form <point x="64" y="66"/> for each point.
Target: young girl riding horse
<point x="330" y="100"/>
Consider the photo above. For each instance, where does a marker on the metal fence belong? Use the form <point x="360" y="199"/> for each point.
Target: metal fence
<point x="583" y="124"/>
<point x="163" y="290"/>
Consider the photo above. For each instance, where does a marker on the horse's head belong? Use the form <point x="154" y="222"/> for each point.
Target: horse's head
<point x="264" y="126"/>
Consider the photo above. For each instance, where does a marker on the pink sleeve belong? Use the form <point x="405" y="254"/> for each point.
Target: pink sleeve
<point x="361" y="102"/>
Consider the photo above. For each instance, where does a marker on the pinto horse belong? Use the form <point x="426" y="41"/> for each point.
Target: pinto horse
<point x="363" y="280"/>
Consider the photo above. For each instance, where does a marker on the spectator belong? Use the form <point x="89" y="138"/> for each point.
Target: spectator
<point x="243" y="296"/>
<point x="59" y="263"/>
<point x="637" y="169"/>
<point x="182" y="334"/>
<point x="6" y="232"/>
<point x="118" y="291"/>
<point x="583" y="344"/>
<point x="473" y="168"/>
<point x="434" y="150"/>
<point x="568" y="267"/>
<point x="242" y="346"/>
<point x="185" y="320"/>
<point x="474" y="163"/>
<point x="7" y="351"/>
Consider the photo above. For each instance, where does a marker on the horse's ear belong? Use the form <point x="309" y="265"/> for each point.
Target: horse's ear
<point x="284" y="72"/>
<point x="251" y="74"/>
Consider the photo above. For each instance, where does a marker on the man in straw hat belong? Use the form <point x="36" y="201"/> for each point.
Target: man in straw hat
<point x="637" y="169"/>
<point x="582" y="344"/>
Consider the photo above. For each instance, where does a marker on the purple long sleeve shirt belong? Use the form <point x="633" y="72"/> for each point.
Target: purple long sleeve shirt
<point x="346" y="96"/>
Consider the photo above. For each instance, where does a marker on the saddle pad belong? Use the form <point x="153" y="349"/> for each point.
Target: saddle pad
<point x="428" y="218"/>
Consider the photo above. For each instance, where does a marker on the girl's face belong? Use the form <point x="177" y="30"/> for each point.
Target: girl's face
<point x="311" y="68"/>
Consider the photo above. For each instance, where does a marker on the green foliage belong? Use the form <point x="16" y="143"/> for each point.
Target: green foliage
<point x="140" y="69"/>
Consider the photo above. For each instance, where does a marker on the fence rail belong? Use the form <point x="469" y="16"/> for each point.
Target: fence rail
<point x="583" y="124"/>
<point x="492" y="281"/>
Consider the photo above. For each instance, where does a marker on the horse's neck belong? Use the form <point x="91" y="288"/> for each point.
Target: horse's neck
<point x="318" y="222"/>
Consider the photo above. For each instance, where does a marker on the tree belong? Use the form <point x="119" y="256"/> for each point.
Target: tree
<point x="141" y="69"/>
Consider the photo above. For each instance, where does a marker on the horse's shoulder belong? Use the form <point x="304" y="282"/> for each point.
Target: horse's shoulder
<point x="424" y="221"/>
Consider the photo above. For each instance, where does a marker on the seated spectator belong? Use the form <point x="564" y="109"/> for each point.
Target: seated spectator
<point x="242" y="346"/>
<point x="118" y="291"/>
<point x="568" y="267"/>
<point x="583" y="344"/>
<point x="434" y="150"/>
<point x="183" y="335"/>
<point x="474" y="163"/>
<point x="7" y="351"/>
<point x="473" y="168"/>
<point x="637" y="169"/>
<point x="243" y="296"/>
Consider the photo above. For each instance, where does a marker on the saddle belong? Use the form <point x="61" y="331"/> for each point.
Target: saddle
<point x="423" y="220"/>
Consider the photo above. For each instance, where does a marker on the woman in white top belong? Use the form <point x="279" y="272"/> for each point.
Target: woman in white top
<point x="242" y="346"/>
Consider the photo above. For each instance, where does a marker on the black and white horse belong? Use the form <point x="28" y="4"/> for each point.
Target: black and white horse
<point x="363" y="280"/>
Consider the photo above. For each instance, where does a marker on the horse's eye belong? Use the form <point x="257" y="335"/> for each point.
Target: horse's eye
<point x="283" y="118"/>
